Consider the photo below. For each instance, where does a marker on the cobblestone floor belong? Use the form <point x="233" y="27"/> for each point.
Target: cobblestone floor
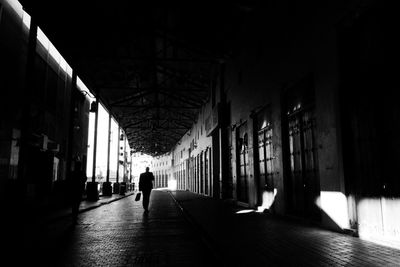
<point x="254" y="239"/>
<point x="119" y="234"/>
<point x="183" y="229"/>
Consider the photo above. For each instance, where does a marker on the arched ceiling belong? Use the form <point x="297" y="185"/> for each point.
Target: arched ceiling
<point x="150" y="63"/>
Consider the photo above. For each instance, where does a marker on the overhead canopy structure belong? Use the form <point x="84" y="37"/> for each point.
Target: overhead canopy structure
<point x="152" y="64"/>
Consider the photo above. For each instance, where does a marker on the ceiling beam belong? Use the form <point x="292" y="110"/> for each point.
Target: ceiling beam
<point x="156" y="127"/>
<point x="181" y="76"/>
<point x="128" y="126"/>
<point x="130" y="89"/>
<point x="155" y="106"/>
<point x="184" y="99"/>
<point x="131" y="97"/>
<point x="191" y="118"/>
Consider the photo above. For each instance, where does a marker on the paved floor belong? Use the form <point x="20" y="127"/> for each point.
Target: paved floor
<point x="183" y="229"/>
<point x="254" y="239"/>
<point x="120" y="234"/>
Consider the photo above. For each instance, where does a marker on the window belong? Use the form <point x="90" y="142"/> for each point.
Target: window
<point x="302" y="161"/>
<point x="26" y="19"/>
<point x="265" y="152"/>
<point x="42" y="38"/>
<point x="206" y="171"/>
<point x="243" y="163"/>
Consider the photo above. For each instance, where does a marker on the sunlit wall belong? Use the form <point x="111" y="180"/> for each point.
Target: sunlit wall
<point x="334" y="205"/>
<point x="378" y="219"/>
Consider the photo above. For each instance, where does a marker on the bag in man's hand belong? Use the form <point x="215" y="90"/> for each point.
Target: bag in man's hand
<point x="137" y="198"/>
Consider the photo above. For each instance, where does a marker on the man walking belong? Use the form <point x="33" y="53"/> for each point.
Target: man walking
<point x="145" y="185"/>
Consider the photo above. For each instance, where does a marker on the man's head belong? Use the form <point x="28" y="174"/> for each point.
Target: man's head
<point x="147" y="169"/>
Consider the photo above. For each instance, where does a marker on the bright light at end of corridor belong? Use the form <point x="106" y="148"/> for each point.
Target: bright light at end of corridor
<point x="172" y="185"/>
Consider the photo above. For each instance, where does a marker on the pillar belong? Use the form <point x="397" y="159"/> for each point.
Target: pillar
<point x="15" y="186"/>
<point x="116" y="184"/>
<point x="92" y="192"/>
<point x="122" y="188"/>
<point x="107" y="188"/>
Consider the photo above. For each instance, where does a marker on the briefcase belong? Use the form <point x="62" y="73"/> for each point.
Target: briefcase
<point x="137" y="198"/>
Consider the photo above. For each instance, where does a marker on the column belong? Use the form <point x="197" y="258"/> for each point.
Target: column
<point x="107" y="188"/>
<point x="23" y="156"/>
<point x="116" y="184"/>
<point x="122" y="188"/>
<point x="92" y="191"/>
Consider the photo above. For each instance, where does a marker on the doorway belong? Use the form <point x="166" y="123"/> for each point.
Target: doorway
<point x="303" y="186"/>
<point x="265" y="157"/>
<point x="243" y="164"/>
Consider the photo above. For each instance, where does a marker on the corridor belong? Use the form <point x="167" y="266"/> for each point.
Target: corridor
<point x="118" y="234"/>
<point x="185" y="229"/>
<point x="270" y="129"/>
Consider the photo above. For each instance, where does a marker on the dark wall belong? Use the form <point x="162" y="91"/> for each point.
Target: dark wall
<point x="40" y="108"/>
<point x="370" y="112"/>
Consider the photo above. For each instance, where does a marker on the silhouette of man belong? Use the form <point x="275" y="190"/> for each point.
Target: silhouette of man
<point x="145" y="185"/>
<point x="78" y="180"/>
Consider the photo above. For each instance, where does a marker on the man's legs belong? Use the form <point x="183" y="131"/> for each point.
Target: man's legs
<point x="146" y="199"/>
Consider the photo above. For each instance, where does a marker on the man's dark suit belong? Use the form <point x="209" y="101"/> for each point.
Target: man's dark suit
<point x="145" y="185"/>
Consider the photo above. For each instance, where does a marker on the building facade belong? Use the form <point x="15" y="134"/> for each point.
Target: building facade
<point x="301" y="121"/>
<point x="44" y="118"/>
